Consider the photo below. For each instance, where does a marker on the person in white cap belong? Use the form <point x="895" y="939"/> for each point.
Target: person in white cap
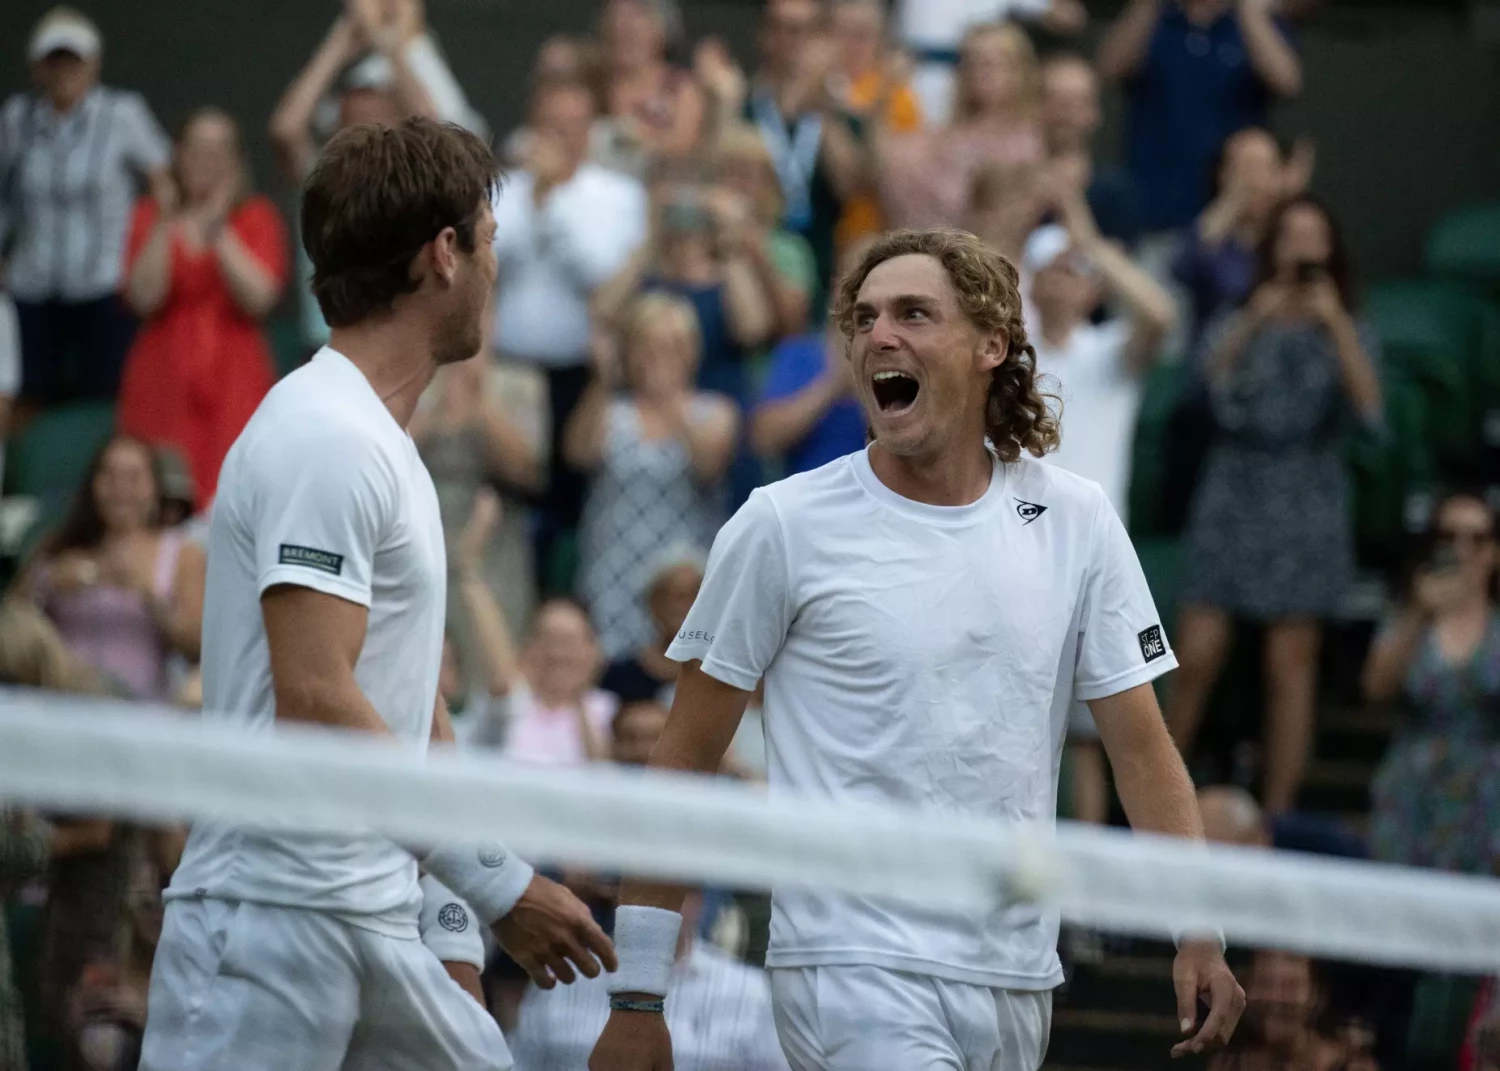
<point x="74" y="155"/>
<point x="1100" y="369"/>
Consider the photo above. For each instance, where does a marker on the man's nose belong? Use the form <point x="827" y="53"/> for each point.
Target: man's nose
<point x="883" y="334"/>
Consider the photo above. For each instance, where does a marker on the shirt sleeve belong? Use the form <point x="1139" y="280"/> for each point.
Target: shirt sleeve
<point x="1123" y="643"/>
<point x="744" y="608"/>
<point x="322" y="511"/>
<point x="147" y="147"/>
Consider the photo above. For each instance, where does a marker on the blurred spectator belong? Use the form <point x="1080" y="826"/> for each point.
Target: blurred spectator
<point x="636" y="729"/>
<point x="659" y="452"/>
<point x="1288" y="1024"/>
<point x="932" y="31"/>
<point x="807" y="414"/>
<point x="1006" y="203"/>
<point x="783" y="261"/>
<point x="1216" y="263"/>
<point x="1215" y="266"/>
<point x="1070" y="120"/>
<point x="815" y="144"/>
<point x="391" y="68"/>
<point x="671" y="587"/>
<point x="868" y="77"/>
<point x="480" y="701"/>
<point x="107" y="1009"/>
<point x="124" y="592"/>
<point x="707" y="247"/>
<point x="655" y="108"/>
<point x="1100" y="367"/>
<point x="10" y="368"/>
<point x="927" y="178"/>
<point x="468" y="443"/>
<point x="1483" y="1051"/>
<point x="718" y="1010"/>
<point x="1269" y="538"/>
<point x="565" y="58"/>
<point x="73" y="157"/>
<point x="24" y="844"/>
<point x="203" y="271"/>
<point x="563" y="227"/>
<point x="1231" y="816"/>
<point x="88" y="860"/>
<point x="1436" y="796"/>
<point x="1194" y="72"/>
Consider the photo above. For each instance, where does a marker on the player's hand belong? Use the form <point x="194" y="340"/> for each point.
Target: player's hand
<point x="549" y="932"/>
<point x="1200" y="970"/>
<point x="633" y="1041"/>
<point x="467" y="976"/>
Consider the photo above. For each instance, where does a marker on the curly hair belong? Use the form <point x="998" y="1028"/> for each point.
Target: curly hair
<point x="1019" y="414"/>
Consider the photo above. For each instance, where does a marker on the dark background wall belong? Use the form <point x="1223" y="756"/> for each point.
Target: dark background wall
<point x="1402" y="100"/>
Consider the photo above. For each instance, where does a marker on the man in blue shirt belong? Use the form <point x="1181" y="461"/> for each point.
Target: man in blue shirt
<point x="1194" y="71"/>
<point x="807" y="412"/>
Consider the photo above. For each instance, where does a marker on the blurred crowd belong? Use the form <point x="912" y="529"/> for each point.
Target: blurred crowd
<point x="668" y="233"/>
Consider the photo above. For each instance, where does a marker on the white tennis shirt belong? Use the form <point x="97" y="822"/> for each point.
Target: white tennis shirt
<point x="324" y="490"/>
<point x="923" y="656"/>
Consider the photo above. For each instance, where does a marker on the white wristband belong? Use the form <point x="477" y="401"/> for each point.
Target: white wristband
<point x="489" y="877"/>
<point x="449" y="929"/>
<point x="1201" y="935"/>
<point x="646" y="943"/>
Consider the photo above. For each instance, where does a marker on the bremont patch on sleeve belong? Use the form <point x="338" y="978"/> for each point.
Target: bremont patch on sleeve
<point x="324" y="561"/>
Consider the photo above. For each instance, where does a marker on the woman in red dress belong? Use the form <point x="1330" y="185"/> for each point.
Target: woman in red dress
<point x="202" y="272"/>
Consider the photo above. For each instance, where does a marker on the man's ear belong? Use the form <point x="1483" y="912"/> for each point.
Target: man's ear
<point x="993" y="350"/>
<point x="443" y="256"/>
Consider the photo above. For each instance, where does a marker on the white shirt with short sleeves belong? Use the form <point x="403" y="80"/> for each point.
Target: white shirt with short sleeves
<point x="1101" y="400"/>
<point x="923" y="656"/>
<point x="324" y="490"/>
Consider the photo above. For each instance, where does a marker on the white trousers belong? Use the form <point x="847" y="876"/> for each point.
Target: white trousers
<point x="856" y="1018"/>
<point x="246" y="987"/>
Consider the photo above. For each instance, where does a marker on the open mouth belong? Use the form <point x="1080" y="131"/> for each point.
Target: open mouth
<point x="895" y="392"/>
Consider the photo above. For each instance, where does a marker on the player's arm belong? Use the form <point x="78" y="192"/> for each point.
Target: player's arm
<point x="1121" y="652"/>
<point x="314" y="640"/>
<point x="736" y="626"/>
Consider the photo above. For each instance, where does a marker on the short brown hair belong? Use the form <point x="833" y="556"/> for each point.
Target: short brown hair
<point x="376" y="196"/>
<point x="1018" y="415"/>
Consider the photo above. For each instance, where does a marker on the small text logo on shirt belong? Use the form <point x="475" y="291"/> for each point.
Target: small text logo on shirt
<point x="324" y="561"/>
<point x="493" y="855"/>
<point x="1152" y="645"/>
<point x="454" y="918"/>
<point x="696" y="634"/>
<point x="1029" y="511"/>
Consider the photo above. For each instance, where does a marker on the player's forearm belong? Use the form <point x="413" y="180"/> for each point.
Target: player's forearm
<point x="1155" y="789"/>
<point x="335" y="702"/>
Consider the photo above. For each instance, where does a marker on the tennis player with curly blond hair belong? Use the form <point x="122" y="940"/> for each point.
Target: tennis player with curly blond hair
<point x="923" y="613"/>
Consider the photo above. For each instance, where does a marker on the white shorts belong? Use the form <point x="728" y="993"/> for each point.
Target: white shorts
<point x="247" y="987"/>
<point x="856" y="1018"/>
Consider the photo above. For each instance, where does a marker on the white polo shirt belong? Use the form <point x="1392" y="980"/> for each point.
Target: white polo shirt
<point x="923" y="656"/>
<point x="325" y="490"/>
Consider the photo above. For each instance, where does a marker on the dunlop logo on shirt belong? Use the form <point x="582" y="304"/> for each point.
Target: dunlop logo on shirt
<point x="322" y="560"/>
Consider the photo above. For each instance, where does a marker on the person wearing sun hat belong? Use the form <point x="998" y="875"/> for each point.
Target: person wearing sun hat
<point x="73" y="156"/>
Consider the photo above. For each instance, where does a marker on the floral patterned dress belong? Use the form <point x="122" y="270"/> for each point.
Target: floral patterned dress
<point x="1436" y="795"/>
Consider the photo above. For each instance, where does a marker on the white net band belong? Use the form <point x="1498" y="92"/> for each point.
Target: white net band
<point x="111" y="758"/>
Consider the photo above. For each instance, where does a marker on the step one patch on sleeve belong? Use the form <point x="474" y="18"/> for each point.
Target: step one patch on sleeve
<point x="1152" y="645"/>
<point x="324" y="561"/>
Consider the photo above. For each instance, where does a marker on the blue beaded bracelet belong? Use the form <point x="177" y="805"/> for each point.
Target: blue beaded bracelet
<point x="622" y="1004"/>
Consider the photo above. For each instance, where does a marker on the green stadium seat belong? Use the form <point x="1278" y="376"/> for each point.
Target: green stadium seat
<point x="1435" y="337"/>
<point x="1148" y="461"/>
<point x="1466" y="245"/>
<point x="51" y="455"/>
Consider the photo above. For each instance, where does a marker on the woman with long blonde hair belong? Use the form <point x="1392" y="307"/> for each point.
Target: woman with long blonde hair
<point x="925" y="178"/>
